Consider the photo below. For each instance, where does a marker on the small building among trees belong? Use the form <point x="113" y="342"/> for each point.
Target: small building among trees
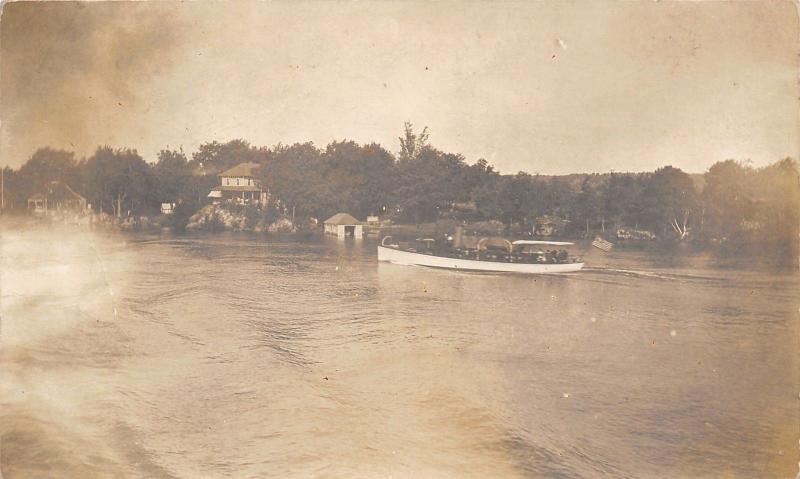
<point x="343" y="225"/>
<point x="57" y="197"/>
<point x="167" y="208"/>
<point x="239" y="185"/>
<point x="549" y="226"/>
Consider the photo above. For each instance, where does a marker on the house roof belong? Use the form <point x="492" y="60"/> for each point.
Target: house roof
<point x="342" y="219"/>
<point x="58" y="191"/>
<point x="241" y="170"/>
<point x="544" y="220"/>
<point x="73" y="193"/>
<point x="236" y="188"/>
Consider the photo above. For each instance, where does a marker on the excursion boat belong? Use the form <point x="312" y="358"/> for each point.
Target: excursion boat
<point x="484" y="254"/>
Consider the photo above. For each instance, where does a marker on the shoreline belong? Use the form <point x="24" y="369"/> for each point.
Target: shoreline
<point x="660" y="251"/>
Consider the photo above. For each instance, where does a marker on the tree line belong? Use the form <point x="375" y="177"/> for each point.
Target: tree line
<point x="730" y="204"/>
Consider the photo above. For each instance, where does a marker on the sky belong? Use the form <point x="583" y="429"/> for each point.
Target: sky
<point x="546" y="87"/>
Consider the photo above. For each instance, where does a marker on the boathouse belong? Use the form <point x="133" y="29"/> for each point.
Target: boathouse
<point x="343" y="225"/>
<point x="239" y="185"/>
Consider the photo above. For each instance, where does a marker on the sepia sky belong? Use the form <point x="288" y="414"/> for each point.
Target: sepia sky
<point x="548" y="87"/>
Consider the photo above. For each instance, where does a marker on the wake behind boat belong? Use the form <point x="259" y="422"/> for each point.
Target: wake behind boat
<point x="481" y="254"/>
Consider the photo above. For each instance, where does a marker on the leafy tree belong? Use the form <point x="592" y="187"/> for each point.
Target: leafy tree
<point x="517" y="198"/>
<point x="483" y="184"/>
<point x="43" y="167"/>
<point x="215" y="157"/>
<point x="552" y="196"/>
<point x="780" y="214"/>
<point x="412" y="144"/>
<point x="294" y="176"/>
<point x="360" y="178"/>
<point x="487" y="201"/>
<point x="119" y="181"/>
<point x="418" y="194"/>
<point x="670" y="199"/>
<point x="13" y="190"/>
<point x="430" y="184"/>
<point x="621" y="199"/>
<point x="586" y="206"/>
<point x="174" y="175"/>
<point x="727" y="199"/>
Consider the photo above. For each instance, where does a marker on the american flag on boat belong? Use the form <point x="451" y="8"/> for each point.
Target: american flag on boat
<point x="602" y="244"/>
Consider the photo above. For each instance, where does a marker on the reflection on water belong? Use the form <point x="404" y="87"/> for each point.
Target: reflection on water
<point x="227" y="356"/>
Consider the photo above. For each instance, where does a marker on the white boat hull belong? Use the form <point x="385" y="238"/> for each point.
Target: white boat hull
<point x="398" y="256"/>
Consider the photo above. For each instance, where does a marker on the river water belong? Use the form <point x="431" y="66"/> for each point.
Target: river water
<point x="237" y="356"/>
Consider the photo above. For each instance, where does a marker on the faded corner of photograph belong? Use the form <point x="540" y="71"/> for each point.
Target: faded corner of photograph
<point x="399" y="239"/>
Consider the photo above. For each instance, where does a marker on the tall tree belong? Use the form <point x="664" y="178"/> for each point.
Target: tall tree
<point x="671" y="199"/>
<point x="294" y="178"/>
<point x="777" y="188"/>
<point x="621" y="199"/>
<point x="412" y="144"/>
<point x="360" y="178"/>
<point x="585" y="208"/>
<point x="727" y="199"/>
<point x="174" y="175"/>
<point x="518" y="198"/>
<point x="45" y="166"/>
<point x="120" y="181"/>
<point x="215" y="157"/>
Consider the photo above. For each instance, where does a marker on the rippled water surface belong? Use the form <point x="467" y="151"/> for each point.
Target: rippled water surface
<point x="234" y="356"/>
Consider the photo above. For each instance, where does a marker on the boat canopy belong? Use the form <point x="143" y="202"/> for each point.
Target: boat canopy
<point x="494" y="241"/>
<point x="554" y="243"/>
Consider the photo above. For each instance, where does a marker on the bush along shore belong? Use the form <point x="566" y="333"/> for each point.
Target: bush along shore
<point x="217" y="217"/>
<point x="208" y="219"/>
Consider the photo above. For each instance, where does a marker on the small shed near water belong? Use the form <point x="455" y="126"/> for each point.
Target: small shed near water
<point x="343" y="225"/>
